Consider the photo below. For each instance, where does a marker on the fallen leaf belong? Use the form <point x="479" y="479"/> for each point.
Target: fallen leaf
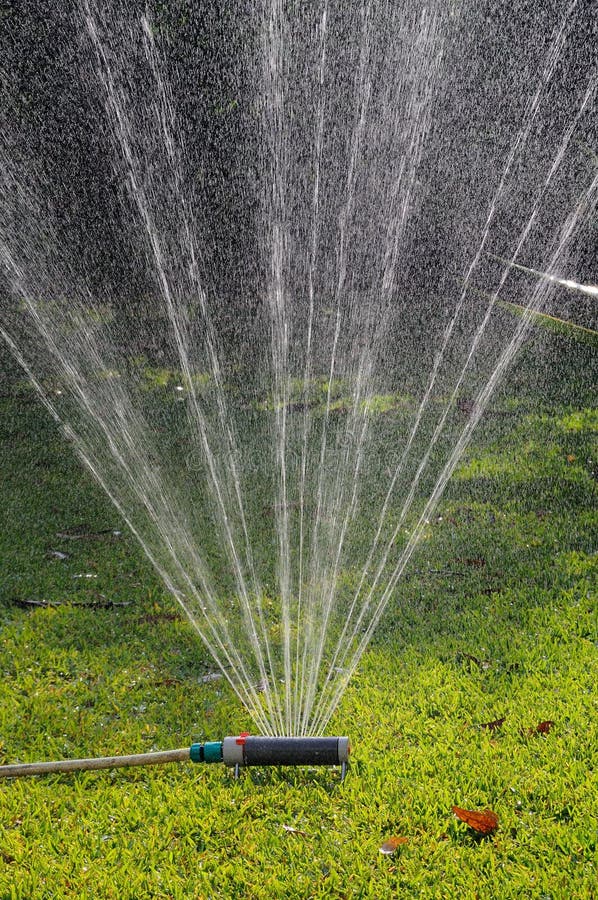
<point x="544" y="727"/>
<point x="290" y="830"/>
<point x="480" y="663"/>
<point x="155" y="618"/>
<point x="389" y="846"/>
<point x="476" y="562"/>
<point x="484" y="822"/>
<point x="83" y="532"/>
<point x="571" y="457"/>
<point x="102" y="603"/>
<point x="466" y="405"/>
<point x="300" y="406"/>
<point x="493" y="726"/>
<point x="211" y="676"/>
<point x="540" y="728"/>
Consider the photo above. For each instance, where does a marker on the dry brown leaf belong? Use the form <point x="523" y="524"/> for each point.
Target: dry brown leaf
<point x="540" y="728"/>
<point x="389" y="846"/>
<point x="493" y="726"/>
<point x="484" y="822"/>
<point x="544" y="727"/>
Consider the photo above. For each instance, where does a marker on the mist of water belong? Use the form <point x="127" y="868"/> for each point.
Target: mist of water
<point x="279" y="446"/>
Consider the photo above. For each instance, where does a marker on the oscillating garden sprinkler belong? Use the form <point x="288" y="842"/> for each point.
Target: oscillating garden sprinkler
<point x="235" y="752"/>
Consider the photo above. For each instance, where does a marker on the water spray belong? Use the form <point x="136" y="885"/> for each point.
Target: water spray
<point x="235" y="752"/>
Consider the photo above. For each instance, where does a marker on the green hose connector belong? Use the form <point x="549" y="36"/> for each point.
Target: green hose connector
<point x="206" y="753"/>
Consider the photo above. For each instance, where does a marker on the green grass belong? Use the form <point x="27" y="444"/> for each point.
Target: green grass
<point x="497" y="617"/>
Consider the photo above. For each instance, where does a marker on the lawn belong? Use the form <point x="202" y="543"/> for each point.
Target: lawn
<point x="492" y="633"/>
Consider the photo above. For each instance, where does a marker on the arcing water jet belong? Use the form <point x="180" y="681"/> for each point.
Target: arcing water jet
<point x="288" y="284"/>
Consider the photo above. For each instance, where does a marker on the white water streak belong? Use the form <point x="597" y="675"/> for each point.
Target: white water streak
<point x="301" y="651"/>
<point x="231" y="458"/>
<point x="315" y="637"/>
<point x="519" y="143"/>
<point x="427" y="54"/>
<point x="116" y="107"/>
<point x="348" y="659"/>
<point x="590" y="289"/>
<point x="586" y="207"/>
<point x="139" y="477"/>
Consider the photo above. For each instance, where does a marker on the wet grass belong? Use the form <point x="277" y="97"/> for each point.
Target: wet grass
<point x="496" y="619"/>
